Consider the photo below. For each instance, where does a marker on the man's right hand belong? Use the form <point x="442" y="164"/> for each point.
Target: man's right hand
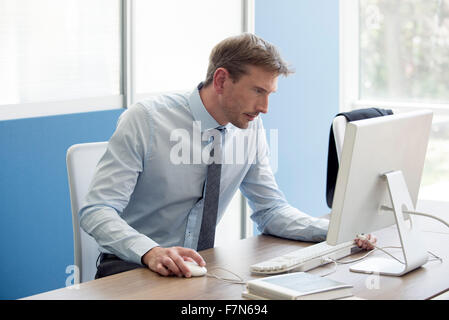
<point x="170" y="261"/>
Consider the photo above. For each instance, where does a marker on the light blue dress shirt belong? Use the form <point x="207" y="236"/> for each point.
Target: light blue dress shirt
<point x="148" y="187"/>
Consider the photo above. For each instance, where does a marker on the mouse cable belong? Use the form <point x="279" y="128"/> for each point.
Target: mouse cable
<point x="234" y="281"/>
<point x="324" y="260"/>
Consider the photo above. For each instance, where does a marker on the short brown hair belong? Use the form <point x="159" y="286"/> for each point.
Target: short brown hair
<point x="237" y="52"/>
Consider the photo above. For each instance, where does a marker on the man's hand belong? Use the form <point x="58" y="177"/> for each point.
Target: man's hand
<point x="170" y="261"/>
<point x="366" y="242"/>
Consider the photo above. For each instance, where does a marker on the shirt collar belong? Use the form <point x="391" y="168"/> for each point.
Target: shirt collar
<point x="200" y="112"/>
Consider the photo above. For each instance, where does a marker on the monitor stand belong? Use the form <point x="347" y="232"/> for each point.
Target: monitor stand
<point x="414" y="254"/>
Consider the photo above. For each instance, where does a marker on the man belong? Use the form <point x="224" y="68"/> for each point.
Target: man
<point x="163" y="184"/>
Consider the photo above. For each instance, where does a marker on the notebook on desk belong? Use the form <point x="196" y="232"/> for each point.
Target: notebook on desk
<point x="296" y="286"/>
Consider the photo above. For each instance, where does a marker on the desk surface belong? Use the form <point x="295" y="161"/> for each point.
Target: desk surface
<point x="422" y="283"/>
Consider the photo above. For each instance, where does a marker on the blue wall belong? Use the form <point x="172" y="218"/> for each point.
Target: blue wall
<point x="36" y="241"/>
<point x="306" y="33"/>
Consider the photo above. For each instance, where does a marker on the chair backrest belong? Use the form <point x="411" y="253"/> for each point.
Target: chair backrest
<point x="339" y="128"/>
<point x="82" y="160"/>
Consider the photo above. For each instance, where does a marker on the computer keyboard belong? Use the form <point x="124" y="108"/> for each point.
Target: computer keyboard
<point x="305" y="258"/>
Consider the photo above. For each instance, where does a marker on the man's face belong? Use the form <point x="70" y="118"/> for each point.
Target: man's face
<point x="243" y="100"/>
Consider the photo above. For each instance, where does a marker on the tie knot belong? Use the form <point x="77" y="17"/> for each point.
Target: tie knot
<point x="221" y="128"/>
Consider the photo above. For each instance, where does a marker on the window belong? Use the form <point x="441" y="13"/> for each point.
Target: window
<point x="82" y="55"/>
<point x="55" y="51"/>
<point x="177" y="57"/>
<point x="402" y="52"/>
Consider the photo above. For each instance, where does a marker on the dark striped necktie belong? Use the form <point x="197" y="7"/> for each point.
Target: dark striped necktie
<point x="209" y="221"/>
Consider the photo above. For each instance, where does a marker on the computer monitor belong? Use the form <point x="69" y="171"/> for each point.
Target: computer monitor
<point x="378" y="179"/>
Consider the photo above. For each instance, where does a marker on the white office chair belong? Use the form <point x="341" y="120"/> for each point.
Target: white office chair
<point x="82" y="160"/>
<point x="339" y="128"/>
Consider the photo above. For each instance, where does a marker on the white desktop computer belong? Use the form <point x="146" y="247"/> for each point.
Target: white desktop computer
<point x="378" y="180"/>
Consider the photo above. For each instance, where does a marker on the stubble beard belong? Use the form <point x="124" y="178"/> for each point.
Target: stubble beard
<point x="236" y="118"/>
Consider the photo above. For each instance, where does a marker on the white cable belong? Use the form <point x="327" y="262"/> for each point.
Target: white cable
<point x="239" y="281"/>
<point x="428" y="216"/>
<point x="397" y="259"/>
<point x="362" y="237"/>
<point x="436" y="257"/>
<point x="419" y="214"/>
<point x="433" y="217"/>
<point x="382" y="249"/>
<point x="335" y="266"/>
<point x="358" y="259"/>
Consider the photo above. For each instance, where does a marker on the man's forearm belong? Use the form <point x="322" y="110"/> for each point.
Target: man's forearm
<point x="291" y="223"/>
<point x="114" y="234"/>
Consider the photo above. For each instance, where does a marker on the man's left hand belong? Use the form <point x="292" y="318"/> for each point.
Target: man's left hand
<point x="368" y="243"/>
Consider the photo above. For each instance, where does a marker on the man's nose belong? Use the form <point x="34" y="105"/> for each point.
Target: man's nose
<point x="263" y="105"/>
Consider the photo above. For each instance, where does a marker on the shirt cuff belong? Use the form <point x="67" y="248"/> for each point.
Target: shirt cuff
<point x="139" y="248"/>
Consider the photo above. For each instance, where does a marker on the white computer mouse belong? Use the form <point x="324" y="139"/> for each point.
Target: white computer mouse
<point x="195" y="269"/>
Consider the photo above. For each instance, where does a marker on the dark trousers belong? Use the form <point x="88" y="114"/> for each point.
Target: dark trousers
<point x="111" y="264"/>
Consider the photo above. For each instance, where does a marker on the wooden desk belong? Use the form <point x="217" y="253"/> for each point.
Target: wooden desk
<point x="423" y="283"/>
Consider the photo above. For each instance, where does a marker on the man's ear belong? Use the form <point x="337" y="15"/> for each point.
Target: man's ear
<point x="220" y="77"/>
